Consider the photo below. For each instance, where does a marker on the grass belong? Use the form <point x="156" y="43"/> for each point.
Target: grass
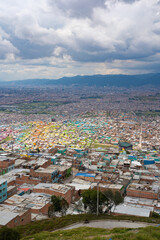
<point x="78" y="233"/>
<point x="104" y="146"/>
<point x="151" y="113"/>
<point x="84" y="233"/>
<point x="35" y="107"/>
<point x="57" y="223"/>
<point x="5" y="139"/>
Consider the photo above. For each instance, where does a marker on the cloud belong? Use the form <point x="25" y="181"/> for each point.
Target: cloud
<point x="112" y="33"/>
<point x="76" y="8"/>
<point x="6" y="47"/>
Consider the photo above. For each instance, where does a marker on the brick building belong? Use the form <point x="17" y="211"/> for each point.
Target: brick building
<point x="6" y="164"/>
<point x="38" y="203"/>
<point x="45" y="174"/>
<point x="141" y="191"/>
<point x="56" y="189"/>
<point x="13" y="218"/>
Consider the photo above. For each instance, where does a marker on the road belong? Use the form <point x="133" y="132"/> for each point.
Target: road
<point x="109" y="224"/>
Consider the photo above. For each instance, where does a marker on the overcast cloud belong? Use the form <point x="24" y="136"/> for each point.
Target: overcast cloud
<point x="55" y="38"/>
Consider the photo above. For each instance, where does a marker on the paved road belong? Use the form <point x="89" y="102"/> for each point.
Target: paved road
<point x="109" y="224"/>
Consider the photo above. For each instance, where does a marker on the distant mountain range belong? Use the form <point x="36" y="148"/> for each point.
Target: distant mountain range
<point x="97" y="80"/>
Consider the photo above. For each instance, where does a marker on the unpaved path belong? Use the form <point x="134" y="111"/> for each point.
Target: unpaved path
<point x="109" y="224"/>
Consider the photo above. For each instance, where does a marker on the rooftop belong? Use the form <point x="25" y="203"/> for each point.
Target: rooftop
<point x="6" y="216"/>
<point x="53" y="186"/>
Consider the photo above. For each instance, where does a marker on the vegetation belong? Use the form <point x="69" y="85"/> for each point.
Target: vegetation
<point x="57" y="223"/>
<point x="35" y="107"/>
<point x="90" y="200"/>
<point x="151" y="113"/>
<point x="146" y="98"/>
<point x="113" y="199"/>
<point x="9" y="234"/>
<point x="1" y="149"/>
<point x="5" y="140"/>
<point x="91" y="97"/>
<point x="104" y="146"/>
<point x="59" y="204"/>
<point x="107" y="199"/>
<point x="155" y="215"/>
<point x="84" y="233"/>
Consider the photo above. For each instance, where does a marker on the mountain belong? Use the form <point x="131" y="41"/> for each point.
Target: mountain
<point x="97" y="80"/>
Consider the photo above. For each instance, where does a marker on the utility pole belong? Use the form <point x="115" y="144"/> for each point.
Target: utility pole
<point x="97" y="199"/>
<point x="140" y="139"/>
<point x="12" y="145"/>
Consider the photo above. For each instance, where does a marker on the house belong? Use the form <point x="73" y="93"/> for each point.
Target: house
<point x="3" y="190"/>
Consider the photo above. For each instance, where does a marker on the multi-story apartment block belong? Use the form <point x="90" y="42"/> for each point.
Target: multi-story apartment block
<point x="3" y="190"/>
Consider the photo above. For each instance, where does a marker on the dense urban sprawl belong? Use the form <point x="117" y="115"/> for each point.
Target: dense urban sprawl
<point x="67" y="153"/>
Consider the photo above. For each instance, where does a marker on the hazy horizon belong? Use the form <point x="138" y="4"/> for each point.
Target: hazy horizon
<point x="80" y="75"/>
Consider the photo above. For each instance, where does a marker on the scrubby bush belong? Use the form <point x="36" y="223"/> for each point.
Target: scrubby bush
<point x="9" y="234"/>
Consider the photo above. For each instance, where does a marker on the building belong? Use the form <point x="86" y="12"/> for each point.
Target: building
<point x="48" y="174"/>
<point x="86" y="176"/>
<point x="126" y="209"/>
<point x="13" y="216"/>
<point x="142" y="191"/>
<point x="38" y="203"/>
<point x="56" y="189"/>
<point x="6" y="164"/>
<point x="3" y="190"/>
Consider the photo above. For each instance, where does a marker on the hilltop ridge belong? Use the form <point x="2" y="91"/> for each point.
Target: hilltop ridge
<point x="94" y="80"/>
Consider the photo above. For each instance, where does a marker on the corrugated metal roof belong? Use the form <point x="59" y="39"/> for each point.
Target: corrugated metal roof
<point x="133" y="210"/>
<point x="6" y="217"/>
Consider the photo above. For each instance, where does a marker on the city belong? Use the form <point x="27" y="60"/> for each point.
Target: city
<point x="66" y="153"/>
<point x="80" y="120"/>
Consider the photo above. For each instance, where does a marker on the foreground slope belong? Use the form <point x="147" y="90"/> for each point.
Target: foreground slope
<point x="148" y="233"/>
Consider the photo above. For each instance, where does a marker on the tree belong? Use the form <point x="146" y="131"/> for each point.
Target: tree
<point x="113" y="199"/>
<point x="59" y="204"/>
<point x="64" y="206"/>
<point x="118" y="198"/>
<point x="107" y="199"/>
<point x="1" y="149"/>
<point x="90" y="200"/>
<point x="38" y="150"/>
<point x="9" y="234"/>
<point x="155" y="215"/>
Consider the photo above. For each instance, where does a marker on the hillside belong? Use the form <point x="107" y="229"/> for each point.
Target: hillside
<point x="36" y="230"/>
<point x="85" y="233"/>
<point x="95" y="80"/>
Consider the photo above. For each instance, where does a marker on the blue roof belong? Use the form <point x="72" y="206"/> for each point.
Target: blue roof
<point x="85" y="175"/>
<point x="148" y="162"/>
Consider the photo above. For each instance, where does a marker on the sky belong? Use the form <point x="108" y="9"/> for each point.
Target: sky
<point x="56" y="38"/>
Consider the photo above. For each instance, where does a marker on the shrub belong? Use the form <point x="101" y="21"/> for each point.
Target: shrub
<point x="9" y="234"/>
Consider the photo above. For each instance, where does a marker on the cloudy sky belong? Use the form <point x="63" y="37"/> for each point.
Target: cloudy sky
<point x="56" y="38"/>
